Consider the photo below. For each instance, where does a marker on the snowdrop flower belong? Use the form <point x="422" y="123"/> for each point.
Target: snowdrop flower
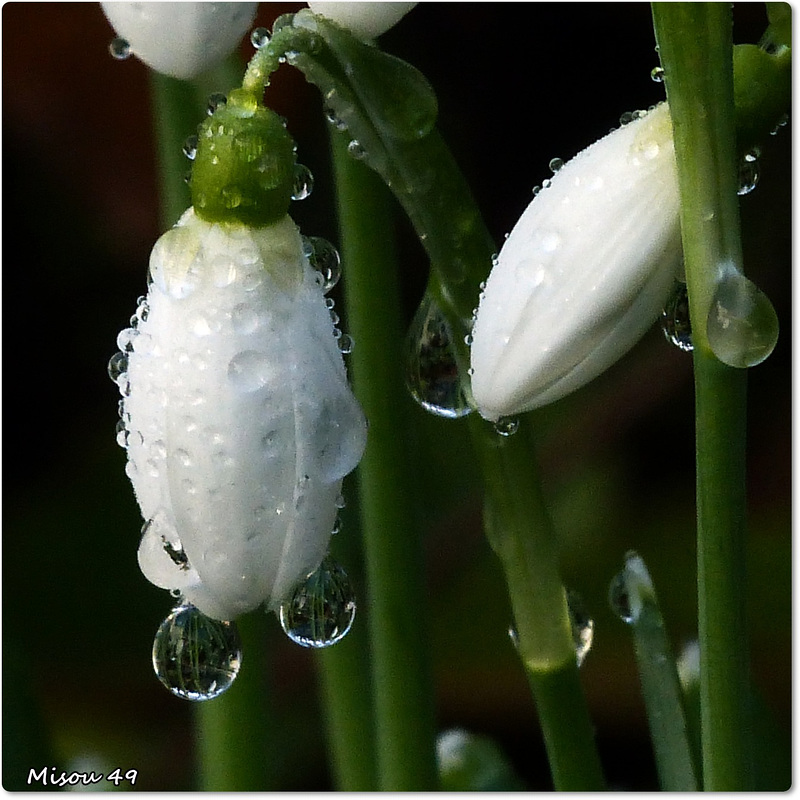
<point x="367" y="20"/>
<point x="237" y="417"/>
<point x="181" y="39"/>
<point x="583" y="274"/>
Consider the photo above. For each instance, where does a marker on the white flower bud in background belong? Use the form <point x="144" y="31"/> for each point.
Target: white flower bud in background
<point x="366" y="20"/>
<point x="181" y="39"/>
<point x="237" y="416"/>
<point x="583" y="274"/>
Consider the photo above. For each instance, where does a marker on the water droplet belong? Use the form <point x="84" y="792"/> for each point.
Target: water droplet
<point x="657" y="74"/>
<point x="345" y="343"/>
<point x="432" y="375"/>
<point x="356" y="149"/>
<point x="122" y="434"/>
<point x="215" y="100"/>
<point x="742" y="326"/>
<point x="556" y="164"/>
<point x="259" y="37"/>
<point x="506" y="426"/>
<point x="749" y="173"/>
<point x="118" y="367"/>
<point x="619" y="598"/>
<point x="126" y="338"/>
<point x="249" y="370"/>
<point x="582" y="626"/>
<point x="324" y="258"/>
<point x="194" y="656"/>
<point x="321" y="609"/>
<point x="675" y="318"/>
<point x="281" y="22"/>
<point x="335" y="121"/>
<point x="245" y="319"/>
<point x="190" y="147"/>
<point x="119" y="49"/>
<point x="303" y="182"/>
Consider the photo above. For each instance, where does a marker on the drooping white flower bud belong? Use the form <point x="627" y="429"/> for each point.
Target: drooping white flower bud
<point x="238" y="419"/>
<point x="367" y="20"/>
<point x="583" y="274"/>
<point x="181" y="39"/>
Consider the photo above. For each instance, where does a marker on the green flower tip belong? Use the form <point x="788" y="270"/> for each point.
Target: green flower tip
<point x="244" y="167"/>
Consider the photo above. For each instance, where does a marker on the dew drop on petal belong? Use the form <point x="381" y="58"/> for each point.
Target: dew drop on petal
<point x="324" y="258"/>
<point x="118" y="367"/>
<point x="119" y="48"/>
<point x="675" y="318"/>
<point x="321" y="609"/>
<point x="556" y="164"/>
<point x="194" y="656"/>
<point x="249" y="370"/>
<point x="742" y="325"/>
<point x="345" y="344"/>
<point x="432" y="374"/>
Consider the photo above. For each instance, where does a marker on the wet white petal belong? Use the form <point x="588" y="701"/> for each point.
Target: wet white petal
<point x="242" y="424"/>
<point x="181" y="39"/>
<point x="584" y="272"/>
<point x="366" y="20"/>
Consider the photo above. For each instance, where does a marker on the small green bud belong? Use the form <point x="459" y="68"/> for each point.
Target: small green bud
<point x="244" y="168"/>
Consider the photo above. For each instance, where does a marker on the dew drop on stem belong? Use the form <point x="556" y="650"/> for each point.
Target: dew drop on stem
<point x="432" y="373"/>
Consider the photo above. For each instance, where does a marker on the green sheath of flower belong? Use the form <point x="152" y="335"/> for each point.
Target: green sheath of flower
<point x="244" y="166"/>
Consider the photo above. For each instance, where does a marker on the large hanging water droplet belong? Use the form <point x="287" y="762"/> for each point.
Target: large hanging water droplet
<point x="303" y="182"/>
<point x="619" y="598"/>
<point x="194" y="656"/>
<point x="749" y="173"/>
<point x="324" y="258"/>
<point x="321" y="609"/>
<point x="675" y="318"/>
<point x="742" y="326"/>
<point x="119" y="49"/>
<point x="432" y="375"/>
<point x="582" y="626"/>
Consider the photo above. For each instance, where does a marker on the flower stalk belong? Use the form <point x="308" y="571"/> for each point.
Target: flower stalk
<point x="695" y="45"/>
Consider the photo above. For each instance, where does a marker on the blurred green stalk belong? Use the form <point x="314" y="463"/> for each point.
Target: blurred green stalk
<point x="695" y="45"/>
<point x="402" y="682"/>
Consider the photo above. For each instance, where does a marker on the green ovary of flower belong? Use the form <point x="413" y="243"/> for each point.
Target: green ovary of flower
<point x="244" y="167"/>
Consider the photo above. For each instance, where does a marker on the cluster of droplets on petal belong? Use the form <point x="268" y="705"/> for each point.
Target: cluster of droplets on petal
<point x="583" y="274"/>
<point x="239" y="421"/>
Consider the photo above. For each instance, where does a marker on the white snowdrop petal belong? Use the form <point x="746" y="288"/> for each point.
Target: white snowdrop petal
<point x="364" y="19"/>
<point x="181" y="39"/>
<point x="583" y="274"/>
<point x="242" y="424"/>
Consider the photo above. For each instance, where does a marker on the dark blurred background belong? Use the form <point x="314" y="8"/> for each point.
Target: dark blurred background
<point x="518" y="84"/>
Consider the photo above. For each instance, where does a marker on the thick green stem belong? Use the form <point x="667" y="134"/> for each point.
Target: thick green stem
<point x="696" y="54"/>
<point x="345" y="677"/>
<point x="237" y="748"/>
<point x="521" y="534"/>
<point x="402" y="673"/>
